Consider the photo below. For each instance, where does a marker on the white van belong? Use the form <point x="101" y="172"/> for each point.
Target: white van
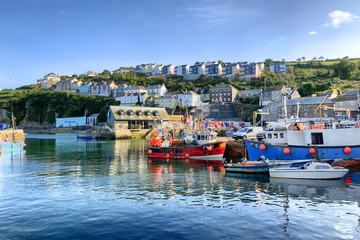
<point x="247" y="132"/>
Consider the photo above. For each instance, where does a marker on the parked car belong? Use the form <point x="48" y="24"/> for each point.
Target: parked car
<point x="247" y="132"/>
<point x="260" y="135"/>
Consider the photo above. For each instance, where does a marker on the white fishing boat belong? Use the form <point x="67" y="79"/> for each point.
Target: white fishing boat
<point x="311" y="170"/>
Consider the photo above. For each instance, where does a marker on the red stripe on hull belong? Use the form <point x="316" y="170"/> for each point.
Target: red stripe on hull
<point x="193" y="151"/>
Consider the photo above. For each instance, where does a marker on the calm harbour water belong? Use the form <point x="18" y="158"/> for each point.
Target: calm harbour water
<point x="62" y="188"/>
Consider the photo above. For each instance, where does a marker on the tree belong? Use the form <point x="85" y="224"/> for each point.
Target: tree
<point x="346" y="57"/>
<point x="303" y="58"/>
<point x="307" y="89"/>
<point x="298" y="60"/>
<point x="268" y="62"/>
<point x="345" y="69"/>
<point x="283" y="60"/>
<point x="314" y="58"/>
<point x="220" y="62"/>
<point x="321" y="58"/>
<point x="105" y="73"/>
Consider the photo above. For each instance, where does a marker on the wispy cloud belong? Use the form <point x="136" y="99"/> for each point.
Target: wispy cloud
<point x="276" y="41"/>
<point x="215" y="13"/>
<point x="313" y="33"/>
<point x="339" y="17"/>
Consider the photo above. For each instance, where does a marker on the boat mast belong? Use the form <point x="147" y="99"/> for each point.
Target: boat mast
<point x="284" y="94"/>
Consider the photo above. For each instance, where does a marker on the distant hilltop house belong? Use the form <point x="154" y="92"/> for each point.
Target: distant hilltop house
<point x="277" y="67"/>
<point x="168" y="69"/>
<point x="182" y="70"/>
<point x="249" y="71"/>
<point x="71" y="85"/>
<point x="230" y="70"/>
<point x="91" y="74"/>
<point x="49" y="80"/>
<point x="125" y="69"/>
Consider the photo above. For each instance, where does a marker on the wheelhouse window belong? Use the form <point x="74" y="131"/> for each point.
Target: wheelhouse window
<point x="269" y="136"/>
<point x="282" y="135"/>
<point x="317" y="138"/>
<point x="275" y="135"/>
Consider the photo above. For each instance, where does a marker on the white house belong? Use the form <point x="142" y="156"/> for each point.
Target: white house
<point x="130" y="99"/>
<point x="189" y="99"/>
<point x="157" y="90"/>
<point x="84" y="88"/>
<point x="104" y="89"/>
<point x="135" y="89"/>
<point x="92" y="119"/>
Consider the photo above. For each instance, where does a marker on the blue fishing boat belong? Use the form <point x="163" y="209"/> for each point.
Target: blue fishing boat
<point x="9" y="146"/>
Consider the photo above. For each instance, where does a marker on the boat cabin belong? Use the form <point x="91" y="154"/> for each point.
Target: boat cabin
<point x="204" y="138"/>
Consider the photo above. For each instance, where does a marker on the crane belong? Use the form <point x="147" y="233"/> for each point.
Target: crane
<point x="256" y="113"/>
<point x="319" y="108"/>
<point x="341" y="109"/>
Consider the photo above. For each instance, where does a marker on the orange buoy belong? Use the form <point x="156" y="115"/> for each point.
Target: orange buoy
<point x="187" y="155"/>
<point x="262" y="147"/>
<point x="209" y="148"/>
<point x="312" y="150"/>
<point x="347" y="150"/>
<point x="150" y="151"/>
<point x="286" y="150"/>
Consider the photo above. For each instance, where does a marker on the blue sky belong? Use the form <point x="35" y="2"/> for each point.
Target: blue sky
<point x="73" y="36"/>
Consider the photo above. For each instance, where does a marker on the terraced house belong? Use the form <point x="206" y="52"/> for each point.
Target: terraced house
<point x="230" y="70"/>
<point x="71" y="85"/>
<point x="182" y="70"/>
<point x="251" y="70"/>
<point x="168" y="69"/>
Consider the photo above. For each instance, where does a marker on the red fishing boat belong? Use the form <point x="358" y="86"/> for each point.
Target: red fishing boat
<point x="203" y="146"/>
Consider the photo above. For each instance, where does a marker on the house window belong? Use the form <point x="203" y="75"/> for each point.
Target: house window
<point x="305" y="108"/>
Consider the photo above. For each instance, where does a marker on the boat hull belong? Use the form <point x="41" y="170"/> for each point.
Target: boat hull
<point x="276" y="152"/>
<point x="210" y="152"/>
<point x="248" y="168"/>
<point x="304" y="174"/>
<point x="9" y="146"/>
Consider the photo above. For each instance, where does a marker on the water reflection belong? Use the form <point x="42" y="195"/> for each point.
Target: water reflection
<point x="117" y="176"/>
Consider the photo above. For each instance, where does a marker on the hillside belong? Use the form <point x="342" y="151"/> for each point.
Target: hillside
<point x="33" y="104"/>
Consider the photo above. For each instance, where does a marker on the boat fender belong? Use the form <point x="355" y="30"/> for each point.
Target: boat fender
<point x="262" y="147"/>
<point x="312" y="150"/>
<point x="167" y="156"/>
<point x="187" y="155"/>
<point x="150" y="151"/>
<point x="347" y="150"/>
<point x="209" y="148"/>
<point x="286" y="150"/>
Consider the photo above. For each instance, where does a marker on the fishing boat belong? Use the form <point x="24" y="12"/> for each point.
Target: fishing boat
<point x="325" y="143"/>
<point x="202" y="146"/>
<point x="11" y="139"/>
<point x="311" y="170"/>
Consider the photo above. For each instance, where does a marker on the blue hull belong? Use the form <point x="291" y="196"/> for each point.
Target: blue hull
<point x="276" y="152"/>
<point x="9" y="146"/>
<point x="248" y="168"/>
